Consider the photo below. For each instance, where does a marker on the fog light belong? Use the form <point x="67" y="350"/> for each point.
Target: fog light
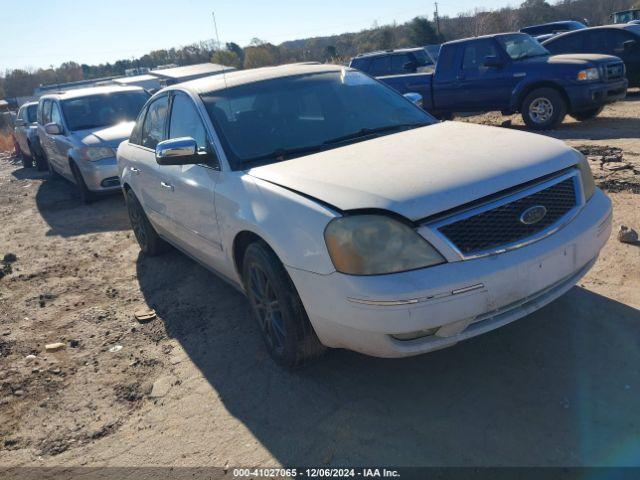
<point x="415" y="335"/>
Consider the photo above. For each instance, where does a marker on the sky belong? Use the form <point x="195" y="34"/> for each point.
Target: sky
<point x="50" y="32"/>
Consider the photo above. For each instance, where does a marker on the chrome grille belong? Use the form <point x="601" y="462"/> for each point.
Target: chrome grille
<point x="500" y="226"/>
<point x="614" y="71"/>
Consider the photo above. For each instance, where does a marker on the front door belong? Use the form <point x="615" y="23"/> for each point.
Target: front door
<point x="483" y="88"/>
<point x="189" y="189"/>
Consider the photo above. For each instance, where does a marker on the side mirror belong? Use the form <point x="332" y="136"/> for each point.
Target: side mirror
<point x="629" y="45"/>
<point x="178" y="151"/>
<point x="411" y="67"/>
<point x="53" y="128"/>
<point x="493" y="62"/>
<point x="414" y="98"/>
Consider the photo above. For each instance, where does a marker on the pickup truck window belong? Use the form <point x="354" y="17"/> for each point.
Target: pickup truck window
<point x="380" y="66"/>
<point x="476" y="53"/>
<point x="31" y="113"/>
<point x="55" y="114"/>
<point x="399" y="63"/>
<point x="264" y="122"/>
<point x="521" y="46"/>
<point x="46" y="112"/>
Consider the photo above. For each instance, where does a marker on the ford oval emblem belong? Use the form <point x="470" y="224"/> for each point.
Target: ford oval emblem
<point x="533" y="215"/>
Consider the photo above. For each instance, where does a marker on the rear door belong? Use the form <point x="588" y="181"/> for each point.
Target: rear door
<point x="189" y="189"/>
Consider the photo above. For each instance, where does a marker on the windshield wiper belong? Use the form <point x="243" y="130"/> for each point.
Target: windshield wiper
<point x="281" y="153"/>
<point x="365" y="132"/>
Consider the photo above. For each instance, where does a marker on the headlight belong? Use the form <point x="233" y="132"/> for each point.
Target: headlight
<point x="93" y="154"/>
<point x="588" y="184"/>
<point x="375" y="245"/>
<point x="589" y="74"/>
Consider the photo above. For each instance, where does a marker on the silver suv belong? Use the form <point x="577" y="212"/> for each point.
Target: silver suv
<point x="25" y="132"/>
<point x="80" y="130"/>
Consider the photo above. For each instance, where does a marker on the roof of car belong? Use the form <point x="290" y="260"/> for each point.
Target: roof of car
<point x="617" y="26"/>
<point x="28" y="104"/>
<point x="560" y="22"/>
<point x="242" y="77"/>
<point x="482" y="37"/>
<point x="85" y="92"/>
<point x="387" y="52"/>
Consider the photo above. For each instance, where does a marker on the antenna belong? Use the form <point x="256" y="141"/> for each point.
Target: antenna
<point x="224" y="75"/>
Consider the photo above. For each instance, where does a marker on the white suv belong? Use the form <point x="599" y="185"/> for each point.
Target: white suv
<point x="350" y="217"/>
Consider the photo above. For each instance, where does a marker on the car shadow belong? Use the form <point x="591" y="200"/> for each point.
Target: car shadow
<point x="599" y="128"/>
<point x="559" y="387"/>
<point x="59" y="205"/>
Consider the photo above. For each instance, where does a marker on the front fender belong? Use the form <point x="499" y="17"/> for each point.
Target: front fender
<point x="290" y="223"/>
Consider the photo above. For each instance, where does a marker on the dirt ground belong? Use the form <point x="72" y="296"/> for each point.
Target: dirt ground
<point x="195" y="386"/>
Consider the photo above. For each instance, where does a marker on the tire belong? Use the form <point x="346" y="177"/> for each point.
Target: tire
<point x="543" y="109"/>
<point x="276" y="306"/>
<point x="86" y="196"/>
<point x="40" y="161"/>
<point x="27" y="160"/>
<point x="150" y="242"/>
<point x="587" y="114"/>
<point x="53" y="175"/>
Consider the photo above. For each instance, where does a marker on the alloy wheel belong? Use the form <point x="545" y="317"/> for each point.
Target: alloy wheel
<point x="541" y="110"/>
<point x="267" y="307"/>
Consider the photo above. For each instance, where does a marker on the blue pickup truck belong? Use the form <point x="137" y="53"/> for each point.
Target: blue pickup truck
<point x="514" y="73"/>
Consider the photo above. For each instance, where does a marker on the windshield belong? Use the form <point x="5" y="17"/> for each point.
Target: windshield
<point x="264" y="122"/>
<point x="103" y="110"/>
<point x="31" y="113"/>
<point x="519" y="47"/>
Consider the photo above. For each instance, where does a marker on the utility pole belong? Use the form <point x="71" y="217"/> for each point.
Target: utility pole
<point x="436" y="17"/>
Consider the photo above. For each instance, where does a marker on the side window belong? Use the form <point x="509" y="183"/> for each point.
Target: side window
<point x="56" y="117"/>
<point x="574" y="43"/>
<point x="616" y="39"/>
<point x="476" y="53"/>
<point x="154" y="122"/>
<point x="380" y="66"/>
<point x="46" y="112"/>
<point x="20" y="115"/>
<point x="186" y="122"/>
<point x="398" y="63"/>
<point x="136" y="133"/>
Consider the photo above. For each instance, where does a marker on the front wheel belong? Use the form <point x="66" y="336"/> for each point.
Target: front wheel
<point x="276" y="306"/>
<point x="587" y="114"/>
<point x="86" y="195"/>
<point x="543" y="109"/>
<point x="150" y="242"/>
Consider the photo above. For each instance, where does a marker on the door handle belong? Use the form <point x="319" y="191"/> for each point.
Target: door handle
<point x="166" y="185"/>
<point x="135" y="170"/>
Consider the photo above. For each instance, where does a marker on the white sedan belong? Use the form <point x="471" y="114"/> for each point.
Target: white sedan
<point x="351" y="218"/>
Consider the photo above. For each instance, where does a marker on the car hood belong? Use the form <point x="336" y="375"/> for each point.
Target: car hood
<point x="585" y="59"/>
<point x="421" y="172"/>
<point x="105" y="136"/>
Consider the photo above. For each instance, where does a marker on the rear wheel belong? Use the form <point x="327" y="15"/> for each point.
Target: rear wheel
<point x="150" y="242"/>
<point x="277" y="307"/>
<point x="543" y="109"/>
<point x="40" y="161"/>
<point x="86" y="195"/>
<point x="587" y="114"/>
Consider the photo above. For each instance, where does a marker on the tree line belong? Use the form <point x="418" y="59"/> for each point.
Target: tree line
<point x="336" y="48"/>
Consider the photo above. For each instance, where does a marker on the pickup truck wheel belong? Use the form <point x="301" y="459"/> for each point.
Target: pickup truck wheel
<point x="543" y="109"/>
<point x="587" y="114"/>
<point x="40" y="161"/>
<point x="150" y="242"/>
<point x="276" y="306"/>
<point x="86" y="195"/>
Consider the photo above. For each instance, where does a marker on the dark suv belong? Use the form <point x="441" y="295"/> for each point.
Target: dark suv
<point x="620" y="40"/>
<point x="397" y="62"/>
<point x="546" y="31"/>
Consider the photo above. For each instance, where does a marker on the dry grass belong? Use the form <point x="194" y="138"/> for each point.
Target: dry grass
<point x="6" y="142"/>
